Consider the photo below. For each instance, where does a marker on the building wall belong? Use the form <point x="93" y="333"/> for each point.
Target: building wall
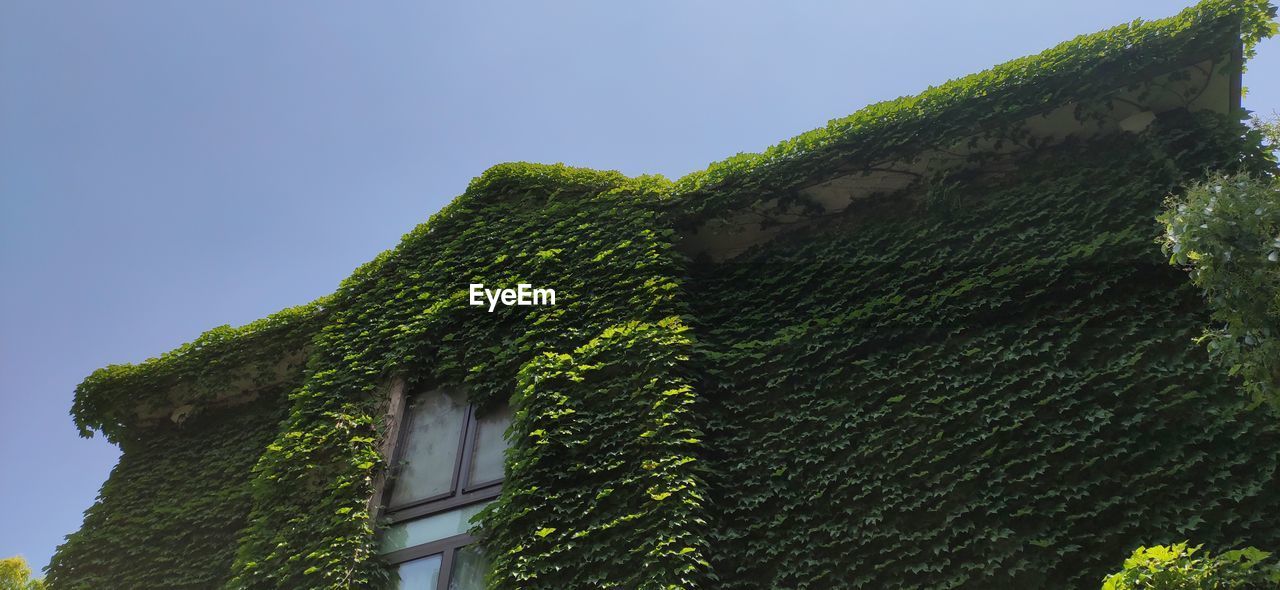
<point x="988" y="382"/>
<point x="998" y="391"/>
<point x="170" y="513"/>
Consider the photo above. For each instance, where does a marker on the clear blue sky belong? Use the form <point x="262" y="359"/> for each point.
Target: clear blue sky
<point x="168" y="167"/>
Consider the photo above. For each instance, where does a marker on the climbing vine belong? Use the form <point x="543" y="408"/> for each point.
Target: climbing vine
<point x="117" y="399"/>
<point x="170" y="514"/>
<point x="1004" y="396"/>
<point x="595" y="238"/>
<point x="996" y="389"/>
<point x="985" y="106"/>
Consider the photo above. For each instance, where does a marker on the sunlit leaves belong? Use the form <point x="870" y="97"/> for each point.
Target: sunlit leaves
<point x="1226" y="231"/>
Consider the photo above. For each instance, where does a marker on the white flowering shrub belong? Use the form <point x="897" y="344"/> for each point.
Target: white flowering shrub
<point x="1226" y="231"/>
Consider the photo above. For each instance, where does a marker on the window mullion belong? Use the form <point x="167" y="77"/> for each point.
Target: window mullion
<point x="464" y="449"/>
<point x="398" y="451"/>
<point x="446" y="568"/>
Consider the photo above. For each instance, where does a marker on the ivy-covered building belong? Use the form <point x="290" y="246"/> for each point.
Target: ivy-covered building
<point x="934" y="344"/>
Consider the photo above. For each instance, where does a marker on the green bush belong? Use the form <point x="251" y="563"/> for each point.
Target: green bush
<point x="1180" y="567"/>
<point x="15" y="574"/>
<point x="1227" y="232"/>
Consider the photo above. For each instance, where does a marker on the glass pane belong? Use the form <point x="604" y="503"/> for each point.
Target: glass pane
<point x="469" y="569"/>
<point x="486" y="460"/>
<point x="431" y="528"/>
<point x="419" y="574"/>
<point x="430" y="447"/>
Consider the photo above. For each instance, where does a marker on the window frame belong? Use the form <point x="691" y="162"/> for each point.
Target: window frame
<point x="446" y="548"/>
<point x="460" y="492"/>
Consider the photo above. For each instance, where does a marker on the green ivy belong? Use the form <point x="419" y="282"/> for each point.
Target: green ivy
<point x="117" y="398"/>
<point x="169" y="515"/>
<point x="1001" y="392"/>
<point x="986" y="105"/>
<point x="609" y="462"/>
<point x="1005" y="396"/>
<point x="592" y="236"/>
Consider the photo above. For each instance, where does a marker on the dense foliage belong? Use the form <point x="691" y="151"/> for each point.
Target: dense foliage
<point x="169" y="515"/>
<point x="1001" y="392"/>
<point x="990" y="103"/>
<point x="595" y="237"/>
<point x="15" y="574"/>
<point x="1181" y="567"/>
<point x="196" y="374"/>
<point x="1007" y="395"/>
<point x="609" y="463"/>
<point x="1227" y="231"/>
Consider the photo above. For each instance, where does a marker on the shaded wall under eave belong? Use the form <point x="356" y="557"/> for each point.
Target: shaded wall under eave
<point x="169" y="514"/>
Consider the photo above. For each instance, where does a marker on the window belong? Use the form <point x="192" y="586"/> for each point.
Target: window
<point x="446" y="468"/>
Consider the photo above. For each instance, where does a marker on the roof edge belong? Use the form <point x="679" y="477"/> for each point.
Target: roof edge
<point x="1013" y="90"/>
<point x="111" y="398"/>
